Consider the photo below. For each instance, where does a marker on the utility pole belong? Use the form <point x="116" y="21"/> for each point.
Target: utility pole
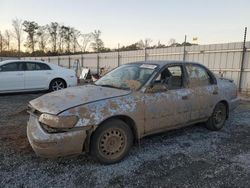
<point x="184" y="50"/>
<point x="243" y="58"/>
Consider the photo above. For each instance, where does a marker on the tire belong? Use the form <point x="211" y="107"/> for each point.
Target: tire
<point x="111" y="142"/>
<point x="57" y="84"/>
<point x="218" y="118"/>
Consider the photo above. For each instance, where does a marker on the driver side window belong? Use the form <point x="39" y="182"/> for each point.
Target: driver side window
<point x="172" y="77"/>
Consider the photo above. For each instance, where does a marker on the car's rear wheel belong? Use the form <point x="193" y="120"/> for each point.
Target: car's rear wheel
<point x="218" y="118"/>
<point x="57" y="84"/>
<point x="111" y="142"/>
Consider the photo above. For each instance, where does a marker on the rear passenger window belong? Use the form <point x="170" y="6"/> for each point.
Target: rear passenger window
<point x="30" y="66"/>
<point x="198" y="76"/>
<point x="42" y="66"/>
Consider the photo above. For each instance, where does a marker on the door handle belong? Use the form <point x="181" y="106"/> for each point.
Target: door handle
<point x="19" y="74"/>
<point x="185" y="97"/>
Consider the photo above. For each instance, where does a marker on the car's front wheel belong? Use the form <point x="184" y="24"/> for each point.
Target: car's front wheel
<point x="57" y="84"/>
<point x="111" y="142"/>
<point x="218" y="118"/>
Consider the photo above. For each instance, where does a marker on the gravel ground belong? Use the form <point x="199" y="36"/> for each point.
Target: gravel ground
<point x="189" y="157"/>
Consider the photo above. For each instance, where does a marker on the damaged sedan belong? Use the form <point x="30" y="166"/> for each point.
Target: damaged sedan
<point x="127" y="104"/>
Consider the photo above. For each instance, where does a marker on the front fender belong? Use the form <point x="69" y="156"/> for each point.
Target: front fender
<point x="95" y="113"/>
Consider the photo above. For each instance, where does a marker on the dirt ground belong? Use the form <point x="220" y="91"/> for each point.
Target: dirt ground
<point x="189" y="157"/>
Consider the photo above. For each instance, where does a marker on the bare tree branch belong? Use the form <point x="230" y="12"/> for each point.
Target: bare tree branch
<point x="17" y="26"/>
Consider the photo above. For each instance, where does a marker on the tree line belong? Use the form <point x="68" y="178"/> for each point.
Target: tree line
<point x="59" y="39"/>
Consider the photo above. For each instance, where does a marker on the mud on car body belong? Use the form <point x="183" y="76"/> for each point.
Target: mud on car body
<point x="130" y="102"/>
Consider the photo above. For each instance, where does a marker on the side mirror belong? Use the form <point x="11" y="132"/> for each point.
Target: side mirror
<point x="156" y="87"/>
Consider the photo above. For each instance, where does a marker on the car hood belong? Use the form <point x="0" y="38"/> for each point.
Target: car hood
<point x="58" y="101"/>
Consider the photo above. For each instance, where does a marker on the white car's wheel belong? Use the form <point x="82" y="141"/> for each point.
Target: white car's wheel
<point x="57" y="84"/>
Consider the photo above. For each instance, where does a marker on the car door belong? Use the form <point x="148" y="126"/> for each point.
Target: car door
<point x="36" y="75"/>
<point x="169" y="107"/>
<point x="12" y="76"/>
<point x="204" y="91"/>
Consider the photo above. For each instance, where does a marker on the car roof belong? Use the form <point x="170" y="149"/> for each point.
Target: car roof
<point x="162" y="63"/>
<point x="22" y="60"/>
<point x="159" y="63"/>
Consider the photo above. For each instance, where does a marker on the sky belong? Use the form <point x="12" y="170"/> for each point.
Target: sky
<point x="128" y="21"/>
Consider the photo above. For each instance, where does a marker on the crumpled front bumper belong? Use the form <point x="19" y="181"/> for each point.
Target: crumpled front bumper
<point x="52" y="145"/>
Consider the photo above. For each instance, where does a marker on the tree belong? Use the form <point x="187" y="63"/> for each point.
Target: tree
<point x="60" y="40"/>
<point x="130" y="47"/>
<point x="42" y="38"/>
<point x="86" y="38"/>
<point x="53" y="30"/>
<point x="66" y="34"/>
<point x="17" y="26"/>
<point x="7" y="39"/>
<point x="75" y="36"/>
<point x="30" y="27"/>
<point x="144" y="44"/>
<point x="160" y="45"/>
<point x="1" y="42"/>
<point x="97" y="43"/>
<point x="171" y="42"/>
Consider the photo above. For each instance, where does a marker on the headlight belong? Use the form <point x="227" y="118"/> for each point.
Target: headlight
<point x="58" y="121"/>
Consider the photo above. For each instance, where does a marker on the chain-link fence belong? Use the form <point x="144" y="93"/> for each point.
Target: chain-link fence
<point x="224" y="59"/>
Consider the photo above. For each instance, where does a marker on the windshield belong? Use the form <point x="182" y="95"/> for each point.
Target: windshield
<point x="130" y="77"/>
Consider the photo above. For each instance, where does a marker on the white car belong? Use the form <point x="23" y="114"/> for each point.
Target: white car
<point x="27" y="75"/>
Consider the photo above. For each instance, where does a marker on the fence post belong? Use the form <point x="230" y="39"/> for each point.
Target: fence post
<point x="184" y="49"/>
<point x="242" y="59"/>
<point x="48" y="59"/>
<point x="118" y="55"/>
<point x="82" y="61"/>
<point x="58" y="60"/>
<point x="69" y="61"/>
<point x="97" y="63"/>
<point x="145" y="54"/>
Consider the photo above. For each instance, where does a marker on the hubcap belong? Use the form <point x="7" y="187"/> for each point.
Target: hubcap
<point x="112" y="143"/>
<point x="219" y="115"/>
<point x="57" y="85"/>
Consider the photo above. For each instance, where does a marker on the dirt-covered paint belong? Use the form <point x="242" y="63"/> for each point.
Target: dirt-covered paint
<point x="58" y="101"/>
<point x="150" y="109"/>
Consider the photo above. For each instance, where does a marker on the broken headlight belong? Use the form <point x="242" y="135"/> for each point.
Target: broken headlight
<point x="58" y="121"/>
